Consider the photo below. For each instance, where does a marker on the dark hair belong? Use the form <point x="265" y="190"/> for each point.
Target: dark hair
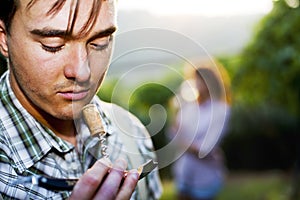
<point x="9" y="7"/>
<point x="7" y="11"/>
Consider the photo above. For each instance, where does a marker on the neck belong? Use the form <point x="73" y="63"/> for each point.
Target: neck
<point x="65" y="129"/>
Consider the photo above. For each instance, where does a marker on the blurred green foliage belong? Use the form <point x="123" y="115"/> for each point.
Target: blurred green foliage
<point x="141" y="102"/>
<point x="265" y="122"/>
<point x="264" y="128"/>
<point x="146" y="96"/>
<point x="266" y="91"/>
<point x="142" y="99"/>
<point x="263" y="132"/>
<point x="269" y="67"/>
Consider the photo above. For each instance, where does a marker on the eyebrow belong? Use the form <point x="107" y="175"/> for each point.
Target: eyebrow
<point x="46" y="32"/>
<point x="104" y="33"/>
<point x="49" y="32"/>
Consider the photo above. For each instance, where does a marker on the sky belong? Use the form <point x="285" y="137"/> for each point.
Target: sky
<point x="210" y="8"/>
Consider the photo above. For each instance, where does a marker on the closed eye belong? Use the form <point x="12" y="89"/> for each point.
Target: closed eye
<point x="102" y="44"/>
<point x="52" y="49"/>
<point x="99" y="47"/>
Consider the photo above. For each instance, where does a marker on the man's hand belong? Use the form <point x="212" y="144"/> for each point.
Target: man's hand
<point x="106" y="181"/>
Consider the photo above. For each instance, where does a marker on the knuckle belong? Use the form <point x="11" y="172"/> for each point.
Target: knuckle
<point x="91" y="180"/>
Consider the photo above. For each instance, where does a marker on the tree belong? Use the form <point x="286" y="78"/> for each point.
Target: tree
<point x="270" y="65"/>
<point x="268" y="75"/>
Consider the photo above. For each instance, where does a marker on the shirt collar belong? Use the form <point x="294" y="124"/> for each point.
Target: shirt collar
<point x="28" y="140"/>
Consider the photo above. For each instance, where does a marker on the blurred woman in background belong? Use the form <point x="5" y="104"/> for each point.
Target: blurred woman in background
<point x="200" y="125"/>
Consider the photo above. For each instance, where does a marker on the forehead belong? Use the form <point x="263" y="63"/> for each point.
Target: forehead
<point x="63" y="14"/>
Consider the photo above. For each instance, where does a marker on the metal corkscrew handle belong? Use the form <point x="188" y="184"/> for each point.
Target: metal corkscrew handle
<point x="93" y="120"/>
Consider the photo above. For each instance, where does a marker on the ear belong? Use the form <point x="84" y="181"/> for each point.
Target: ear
<point x="3" y="40"/>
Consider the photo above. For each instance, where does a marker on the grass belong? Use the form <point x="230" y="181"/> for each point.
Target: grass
<point x="246" y="186"/>
<point x="169" y="192"/>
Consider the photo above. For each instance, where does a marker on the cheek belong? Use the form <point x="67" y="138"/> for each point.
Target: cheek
<point x="34" y="72"/>
<point x="34" y="68"/>
<point x="99" y="65"/>
<point x="27" y="57"/>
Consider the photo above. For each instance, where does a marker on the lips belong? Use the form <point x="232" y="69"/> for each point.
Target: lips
<point x="74" y="95"/>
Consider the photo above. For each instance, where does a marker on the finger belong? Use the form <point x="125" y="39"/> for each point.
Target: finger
<point x="111" y="184"/>
<point x="128" y="185"/>
<point x="87" y="185"/>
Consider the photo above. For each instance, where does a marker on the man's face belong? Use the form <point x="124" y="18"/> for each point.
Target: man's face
<point x="53" y="72"/>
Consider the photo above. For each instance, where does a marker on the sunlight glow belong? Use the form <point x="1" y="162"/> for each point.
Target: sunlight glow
<point x="198" y="7"/>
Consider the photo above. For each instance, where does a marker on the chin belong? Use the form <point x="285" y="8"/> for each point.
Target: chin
<point x="67" y="116"/>
<point x="68" y="113"/>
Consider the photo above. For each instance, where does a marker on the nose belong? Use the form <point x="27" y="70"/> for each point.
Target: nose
<point x="77" y="67"/>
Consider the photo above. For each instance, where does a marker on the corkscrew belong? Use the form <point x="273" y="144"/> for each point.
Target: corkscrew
<point x="59" y="184"/>
<point x="93" y="120"/>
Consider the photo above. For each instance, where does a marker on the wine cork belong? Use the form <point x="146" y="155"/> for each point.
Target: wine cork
<point x="92" y="118"/>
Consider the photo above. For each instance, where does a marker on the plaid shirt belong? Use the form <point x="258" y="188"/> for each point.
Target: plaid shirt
<point x="29" y="148"/>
